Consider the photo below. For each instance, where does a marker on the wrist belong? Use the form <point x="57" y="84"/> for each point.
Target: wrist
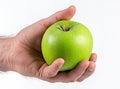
<point x="5" y="46"/>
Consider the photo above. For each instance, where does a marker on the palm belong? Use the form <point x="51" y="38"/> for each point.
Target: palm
<point x="29" y="59"/>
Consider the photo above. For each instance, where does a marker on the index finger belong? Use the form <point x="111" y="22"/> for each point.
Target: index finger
<point x="60" y="15"/>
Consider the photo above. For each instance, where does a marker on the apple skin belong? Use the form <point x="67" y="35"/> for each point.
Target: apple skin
<point x="69" y="40"/>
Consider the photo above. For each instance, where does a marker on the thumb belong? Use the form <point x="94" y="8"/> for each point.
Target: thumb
<point x="54" y="68"/>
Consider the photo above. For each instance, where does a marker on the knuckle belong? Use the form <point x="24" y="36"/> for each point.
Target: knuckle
<point x="72" y="80"/>
<point x="49" y="74"/>
<point x="80" y="80"/>
<point x="42" y="23"/>
<point x="41" y="73"/>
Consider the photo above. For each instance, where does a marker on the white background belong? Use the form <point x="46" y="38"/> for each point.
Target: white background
<point x="102" y="17"/>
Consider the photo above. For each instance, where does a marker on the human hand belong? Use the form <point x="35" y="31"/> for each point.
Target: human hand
<point x="25" y="54"/>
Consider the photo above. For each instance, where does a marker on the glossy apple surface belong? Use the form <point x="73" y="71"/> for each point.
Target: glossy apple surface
<point x="69" y="40"/>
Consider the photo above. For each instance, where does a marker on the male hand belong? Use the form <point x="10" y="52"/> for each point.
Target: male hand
<point x="26" y="58"/>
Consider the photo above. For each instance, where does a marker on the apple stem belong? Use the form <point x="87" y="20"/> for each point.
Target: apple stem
<point x="64" y="28"/>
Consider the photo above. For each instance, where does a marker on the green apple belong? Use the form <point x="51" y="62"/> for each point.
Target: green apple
<point x="69" y="40"/>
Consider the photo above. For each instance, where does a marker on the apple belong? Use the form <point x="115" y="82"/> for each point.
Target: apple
<point x="69" y="40"/>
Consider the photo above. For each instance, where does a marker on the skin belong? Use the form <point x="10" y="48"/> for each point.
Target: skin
<point x="22" y="53"/>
